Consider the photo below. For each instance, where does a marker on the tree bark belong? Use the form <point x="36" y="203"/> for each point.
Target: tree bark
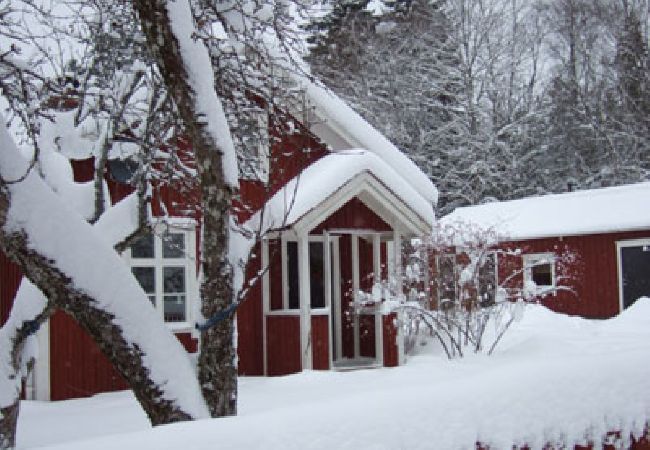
<point x="127" y="358"/>
<point x="217" y="371"/>
<point x="9" y="412"/>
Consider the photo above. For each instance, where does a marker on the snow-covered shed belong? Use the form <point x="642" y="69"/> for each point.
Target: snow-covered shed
<point x="342" y="199"/>
<point x="606" y="229"/>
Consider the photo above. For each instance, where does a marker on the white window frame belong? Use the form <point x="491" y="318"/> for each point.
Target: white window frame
<point x="188" y="262"/>
<point x="285" y="276"/>
<point x="619" y="263"/>
<point x="534" y="259"/>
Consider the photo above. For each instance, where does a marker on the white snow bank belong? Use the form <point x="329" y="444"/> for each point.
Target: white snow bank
<point x="361" y="134"/>
<point x="324" y="177"/>
<point x="59" y="233"/>
<point x="553" y="379"/>
<point x="621" y="208"/>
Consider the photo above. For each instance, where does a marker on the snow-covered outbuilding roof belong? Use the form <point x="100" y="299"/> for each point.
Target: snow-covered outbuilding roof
<point x="342" y="128"/>
<point x="605" y="210"/>
<point x="334" y="179"/>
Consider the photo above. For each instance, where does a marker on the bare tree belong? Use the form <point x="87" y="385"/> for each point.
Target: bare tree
<point x="477" y="289"/>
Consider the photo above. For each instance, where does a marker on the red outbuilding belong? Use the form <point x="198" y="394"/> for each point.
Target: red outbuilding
<point x="342" y="198"/>
<point x="605" y="231"/>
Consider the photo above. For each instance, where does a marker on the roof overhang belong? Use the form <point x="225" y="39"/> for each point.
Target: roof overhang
<point x="376" y="196"/>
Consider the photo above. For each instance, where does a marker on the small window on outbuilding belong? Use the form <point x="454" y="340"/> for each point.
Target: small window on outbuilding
<point x="539" y="268"/>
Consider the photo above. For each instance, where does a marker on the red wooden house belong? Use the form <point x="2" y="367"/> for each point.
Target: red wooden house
<point x="607" y="230"/>
<point x="342" y="199"/>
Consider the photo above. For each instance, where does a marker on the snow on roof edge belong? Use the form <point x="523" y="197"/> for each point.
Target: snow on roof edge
<point x="366" y="136"/>
<point x="324" y="178"/>
<point x="591" y="211"/>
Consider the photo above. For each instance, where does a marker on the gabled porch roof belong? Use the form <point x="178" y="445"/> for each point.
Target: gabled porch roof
<point x="330" y="182"/>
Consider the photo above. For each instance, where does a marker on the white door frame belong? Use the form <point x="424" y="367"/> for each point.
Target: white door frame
<point x="619" y="263"/>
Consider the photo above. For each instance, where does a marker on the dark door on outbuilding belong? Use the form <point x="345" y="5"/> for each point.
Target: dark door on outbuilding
<point x="635" y="273"/>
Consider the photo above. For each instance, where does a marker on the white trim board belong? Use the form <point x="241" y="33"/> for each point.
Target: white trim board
<point x="375" y="196"/>
<point x="619" y="268"/>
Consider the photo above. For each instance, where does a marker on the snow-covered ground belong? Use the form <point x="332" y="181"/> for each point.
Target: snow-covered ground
<point x="552" y="379"/>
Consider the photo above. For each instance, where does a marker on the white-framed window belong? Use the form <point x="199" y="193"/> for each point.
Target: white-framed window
<point x="291" y="274"/>
<point x="539" y="271"/>
<point x="165" y="266"/>
<point x="633" y="260"/>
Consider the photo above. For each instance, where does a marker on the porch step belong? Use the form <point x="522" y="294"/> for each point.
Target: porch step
<point x="346" y="364"/>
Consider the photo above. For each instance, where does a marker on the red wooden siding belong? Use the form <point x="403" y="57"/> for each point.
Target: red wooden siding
<point x="10" y="277"/>
<point x="290" y="155"/>
<point x="320" y="342"/>
<point x="354" y="214"/>
<point x="78" y="367"/>
<point x="636" y="444"/>
<point x="594" y="276"/>
<point x="190" y="344"/>
<point x="249" y="325"/>
<point x="83" y="170"/>
<point x="391" y="357"/>
<point x="283" y="345"/>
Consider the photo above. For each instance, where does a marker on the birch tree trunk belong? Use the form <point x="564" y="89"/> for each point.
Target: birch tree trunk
<point x="165" y="393"/>
<point x="217" y="371"/>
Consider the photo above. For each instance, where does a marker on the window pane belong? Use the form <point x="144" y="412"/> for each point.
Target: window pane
<point x="487" y="280"/>
<point x="174" y="294"/>
<point x="446" y="280"/>
<point x="174" y="308"/>
<point x="173" y="245"/>
<point x="541" y="275"/>
<point x="173" y="280"/>
<point x="317" y="274"/>
<point x="143" y="247"/>
<point x="635" y="265"/>
<point x="146" y="276"/>
<point x="292" y="275"/>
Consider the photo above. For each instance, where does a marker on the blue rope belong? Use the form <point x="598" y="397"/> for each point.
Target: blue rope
<point x="31" y="326"/>
<point x="217" y="318"/>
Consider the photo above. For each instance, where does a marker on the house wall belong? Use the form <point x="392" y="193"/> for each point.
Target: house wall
<point x="78" y="366"/>
<point x="320" y="337"/>
<point x="10" y="276"/>
<point x="283" y="344"/>
<point x="250" y="325"/>
<point x="594" y="276"/>
<point x="391" y="349"/>
<point x="353" y="215"/>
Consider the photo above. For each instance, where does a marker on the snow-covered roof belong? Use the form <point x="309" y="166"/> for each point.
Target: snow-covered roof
<point x="354" y="132"/>
<point x="622" y="208"/>
<point x="327" y="176"/>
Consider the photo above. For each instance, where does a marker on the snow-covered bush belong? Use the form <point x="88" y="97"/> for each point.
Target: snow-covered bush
<point x="476" y="287"/>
